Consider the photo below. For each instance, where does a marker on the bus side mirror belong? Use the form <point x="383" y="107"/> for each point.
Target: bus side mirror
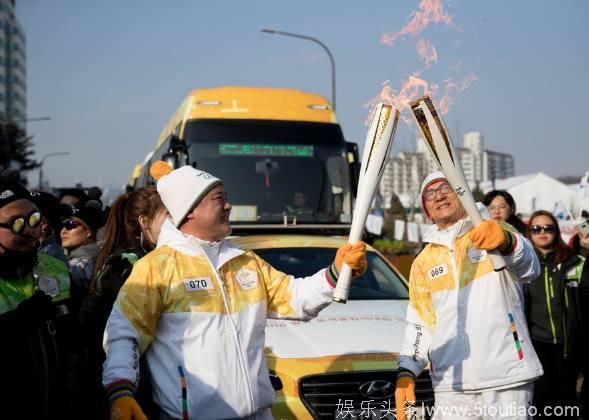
<point x="354" y="161"/>
<point x="336" y="169"/>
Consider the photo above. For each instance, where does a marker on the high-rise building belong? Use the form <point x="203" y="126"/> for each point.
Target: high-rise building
<point x="13" y="60"/>
<point x="405" y="172"/>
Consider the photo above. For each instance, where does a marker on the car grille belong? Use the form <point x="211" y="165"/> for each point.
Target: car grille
<point x="325" y="394"/>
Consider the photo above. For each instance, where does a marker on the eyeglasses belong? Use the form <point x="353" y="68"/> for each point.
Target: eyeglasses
<point x="17" y="226"/>
<point x="499" y="207"/>
<point x="430" y="195"/>
<point x="537" y="229"/>
<point x="70" y="224"/>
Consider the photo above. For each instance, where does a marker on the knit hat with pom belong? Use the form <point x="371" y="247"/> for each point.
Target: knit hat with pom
<point x="181" y="189"/>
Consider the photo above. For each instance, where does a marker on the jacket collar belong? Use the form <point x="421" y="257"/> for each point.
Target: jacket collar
<point x="84" y="251"/>
<point x="448" y="236"/>
<point x="189" y="245"/>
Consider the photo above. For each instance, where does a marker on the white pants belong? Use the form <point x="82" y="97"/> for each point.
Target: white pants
<point x="504" y="404"/>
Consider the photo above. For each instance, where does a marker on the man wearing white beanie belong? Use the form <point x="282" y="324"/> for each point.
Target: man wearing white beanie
<point x="197" y="306"/>
<point x="464" y="319"/>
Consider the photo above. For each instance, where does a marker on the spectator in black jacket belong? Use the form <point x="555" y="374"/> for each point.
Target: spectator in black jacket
<point x="554" y="313"/>
<point x="35" y="319"/>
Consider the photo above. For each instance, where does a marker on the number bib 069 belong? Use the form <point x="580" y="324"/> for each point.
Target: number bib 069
<point x="437" y="271"/>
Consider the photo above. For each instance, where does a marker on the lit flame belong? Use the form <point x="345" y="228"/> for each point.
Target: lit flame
<point x="426" y="51"/>
<point x="431" y="11"/>
<point x="449" y="87"/>
<point x="411" y="89"/>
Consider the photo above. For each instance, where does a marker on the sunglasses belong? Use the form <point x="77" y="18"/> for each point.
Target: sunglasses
<point x="70" y="224"/>
<point x="430" y="195"/>
<point x="537" y="229"/>
<point x="17" y="226"/>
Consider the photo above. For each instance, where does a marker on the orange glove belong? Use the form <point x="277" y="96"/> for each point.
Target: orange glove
<point x="404" y="394"/>
<point x="354" y="256"/>
<point x="489" y="236"/>
<point x="126" y="408"/>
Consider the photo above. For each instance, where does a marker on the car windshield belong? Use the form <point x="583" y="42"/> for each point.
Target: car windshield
<point x="379" y="281"/>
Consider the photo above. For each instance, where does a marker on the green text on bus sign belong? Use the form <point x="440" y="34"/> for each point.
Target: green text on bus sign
<point x="274" y="150"/>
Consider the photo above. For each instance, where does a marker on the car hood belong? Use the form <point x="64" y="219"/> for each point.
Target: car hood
<point x="358" y="327"/>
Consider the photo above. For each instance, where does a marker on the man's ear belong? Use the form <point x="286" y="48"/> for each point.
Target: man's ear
<point x="190" y="214"/>
<point x="44" y="226"/>
<point x="143" y="222"/>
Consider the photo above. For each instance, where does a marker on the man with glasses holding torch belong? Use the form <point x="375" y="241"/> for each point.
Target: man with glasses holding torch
<point x="466" y="320"/>
<point x="34" y="288"/>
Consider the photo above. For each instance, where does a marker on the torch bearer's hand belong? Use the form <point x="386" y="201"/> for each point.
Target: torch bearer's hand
<point x="354" y="256"/>
<point x="404" y="394"/>
<point x="489" y="235"/>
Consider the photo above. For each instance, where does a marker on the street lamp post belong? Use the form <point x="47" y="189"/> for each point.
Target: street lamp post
<point x="308" y="38"/>
<point x="43" y="161"/>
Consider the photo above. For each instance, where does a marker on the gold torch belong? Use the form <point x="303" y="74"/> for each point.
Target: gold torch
<point x="376" y="149"/>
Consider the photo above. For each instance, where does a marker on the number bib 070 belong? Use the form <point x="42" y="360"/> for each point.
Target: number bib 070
<point x="196" y="284"/>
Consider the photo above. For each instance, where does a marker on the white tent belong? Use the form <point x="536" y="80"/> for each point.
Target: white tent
<point x="537" y="192"/>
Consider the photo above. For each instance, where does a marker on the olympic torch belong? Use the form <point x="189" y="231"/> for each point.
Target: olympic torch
<point x="376" y="149"/>
<point x="440" y="145"/>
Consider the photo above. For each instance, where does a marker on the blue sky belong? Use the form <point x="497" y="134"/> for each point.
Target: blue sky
<point x="110" y="73"/>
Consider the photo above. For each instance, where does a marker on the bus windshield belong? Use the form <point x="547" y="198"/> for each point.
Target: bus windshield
<point x="274" y="170"/>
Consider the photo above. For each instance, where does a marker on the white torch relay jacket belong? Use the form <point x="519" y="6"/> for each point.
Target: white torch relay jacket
<point x="466" y="319"/>
<point x="203" y="327"/>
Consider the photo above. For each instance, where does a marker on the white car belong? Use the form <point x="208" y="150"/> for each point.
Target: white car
<point x="341" y="364"/>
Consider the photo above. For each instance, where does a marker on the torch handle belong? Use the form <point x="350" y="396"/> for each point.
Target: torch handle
<point x="469" y="204"/>
<point x="340" y="294"/>
<point x="496" y="259"/>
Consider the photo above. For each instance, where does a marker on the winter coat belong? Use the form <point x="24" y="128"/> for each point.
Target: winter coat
<point x="466" y="319"/>
<point x="202" y="327"/>
<point x="518" y="224"/>
<point x="553" y="303"/>
<point x="50" y="246"/>
<point x="81" y="265"/>
<point x="93" y="314"/>
<point x="32" y="351"/>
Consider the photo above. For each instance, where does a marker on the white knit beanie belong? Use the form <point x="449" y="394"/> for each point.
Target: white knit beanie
<point x="181" y="189"/>
<point x="434" y="176"/>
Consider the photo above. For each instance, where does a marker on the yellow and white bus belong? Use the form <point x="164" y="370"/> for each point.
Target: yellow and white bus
<point x="280" y="153"/>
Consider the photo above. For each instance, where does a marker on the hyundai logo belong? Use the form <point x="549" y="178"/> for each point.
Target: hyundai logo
<point x="377" y="389"/>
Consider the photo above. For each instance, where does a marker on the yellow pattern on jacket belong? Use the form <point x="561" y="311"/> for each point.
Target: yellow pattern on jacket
<point x="459" y="314"/>
<point x="204" y="326"/>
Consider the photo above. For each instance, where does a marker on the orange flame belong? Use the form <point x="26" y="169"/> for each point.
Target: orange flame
<point x="411" y="89"/>
<point x="431" y="11"/>
<point x="414" y="87"/>
<point x="426" y="51"/>
<point x="449" y="87"/>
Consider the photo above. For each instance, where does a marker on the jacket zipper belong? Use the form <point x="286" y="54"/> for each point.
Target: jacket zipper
<point x="235" y="336"/>
<point x="564" y="329"/>
<point x="549" y="294"/>
<point x="457" y="283"/>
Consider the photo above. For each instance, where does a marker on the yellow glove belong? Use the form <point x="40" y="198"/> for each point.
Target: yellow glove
<point x="404" y="394"/>
<point x="354" y="256"/>
<point x="489" y="236"/>
<point x="126" y="408"/>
